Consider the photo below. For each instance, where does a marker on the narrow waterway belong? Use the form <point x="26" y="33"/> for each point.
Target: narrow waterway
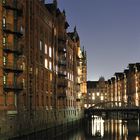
<point x="109" y="129"/>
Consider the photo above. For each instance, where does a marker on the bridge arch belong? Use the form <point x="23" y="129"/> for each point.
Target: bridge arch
<point x="109" y="104"/>
<point x="112" y="106"/>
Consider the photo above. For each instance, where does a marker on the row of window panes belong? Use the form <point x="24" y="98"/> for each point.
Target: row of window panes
<point x="46" y="64"/>
<point x="5" y="62"/>
<point x="46" y="49"/>
<point x="4" y="24"/>
<point x="70" y="76"/>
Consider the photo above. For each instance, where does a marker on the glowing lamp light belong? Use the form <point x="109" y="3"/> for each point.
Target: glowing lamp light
<point x="98" y="93"/>
<point x="102" y="98"/>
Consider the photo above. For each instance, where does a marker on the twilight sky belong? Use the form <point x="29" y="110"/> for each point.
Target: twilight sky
<point x="109" y="30"/>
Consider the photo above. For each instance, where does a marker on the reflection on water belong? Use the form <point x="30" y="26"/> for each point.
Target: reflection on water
<point x="97" y="128"/>
<point x="112" y="129"/>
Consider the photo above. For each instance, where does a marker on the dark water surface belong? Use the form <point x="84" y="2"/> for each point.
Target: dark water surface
<point x="99" y="129"/>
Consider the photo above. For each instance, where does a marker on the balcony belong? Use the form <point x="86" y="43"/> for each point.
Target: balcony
<point x="9" y="86"/>
<point x="13" y="68"/>
<point x="10" y="49"/>
<point x="62" y="49"/>
<point x="62" y="63"/>
<point x="8" y="5"/>
<point x="62" y="74"/>
<point x="9" y="29"/>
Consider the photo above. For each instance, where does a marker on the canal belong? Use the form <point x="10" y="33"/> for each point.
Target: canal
<point x="105" y="129"/>
<point x="93" y="128"/>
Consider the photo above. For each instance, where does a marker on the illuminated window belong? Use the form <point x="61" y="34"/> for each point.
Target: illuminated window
<point x="4" y="79"/>
<point x="50" y="51"/>
<point x="46" y="48"/>
<point x="98" y="93"/>
<point x="102" y="98"/>
<point x="50" y="76"/>
<point x="21" y="29"/>
<point x="4" y="22"/>
<point x="65" y="72"/>
<point x="46" y="63"/>
<point x="85" y="105"/>
<point x="4" y="60"/>
<point x="41" y="45"/>
<point x="54" y="31"/>
<point x="4" y="41"/>
<point x="93" y="97"/>
<point x="23" y="65"/>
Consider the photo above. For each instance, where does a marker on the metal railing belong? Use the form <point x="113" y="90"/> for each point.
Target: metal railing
<point x="9" y="29"/>
<point x="10" y="48"/>
<point x="8" y="4"/>
<point x="11" y="67"/>
<point x="10" y="86"/>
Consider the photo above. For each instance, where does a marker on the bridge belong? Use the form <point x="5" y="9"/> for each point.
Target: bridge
<point x="112" y="106"/>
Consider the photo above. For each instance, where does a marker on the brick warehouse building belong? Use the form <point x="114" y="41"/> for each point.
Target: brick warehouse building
<point x="123" y="88"/>
<point x="43" y="69"/>
<point x="96" y="92"/>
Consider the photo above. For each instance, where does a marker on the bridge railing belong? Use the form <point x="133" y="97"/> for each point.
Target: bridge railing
<point x="114" y="105"/>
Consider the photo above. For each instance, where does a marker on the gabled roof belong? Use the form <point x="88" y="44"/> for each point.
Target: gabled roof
<point x="74" y="35"/>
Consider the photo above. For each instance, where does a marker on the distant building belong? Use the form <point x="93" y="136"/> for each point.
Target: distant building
<point x="124" y="87"/>
<point x="96" y="92"/>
